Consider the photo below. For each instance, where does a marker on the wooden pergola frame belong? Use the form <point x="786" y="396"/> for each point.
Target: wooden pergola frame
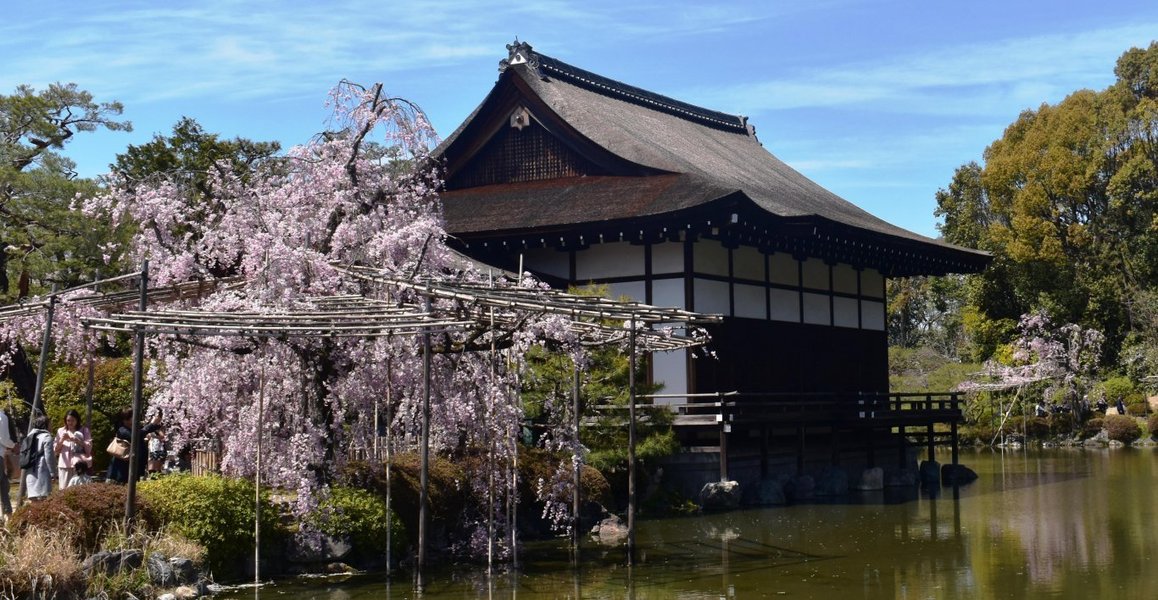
<point x="479" y="307"/>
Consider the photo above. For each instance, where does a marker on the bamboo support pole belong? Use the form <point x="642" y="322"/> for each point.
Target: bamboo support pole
<point x="37" y="403"/>
<point x="631" y="445"/>
<point x="138" y="385"/>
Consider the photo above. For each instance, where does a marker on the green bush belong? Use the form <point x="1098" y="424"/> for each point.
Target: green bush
<point x="1112" y="389"/>
<point x="361" y="515"/>
<point x="1092" y="427"/>
<point x="448" y="488"/>
<point x="1152" y="425"/>
<point x="214" y="511"/>
<point x="1138" y="409"/>
<point x="1122" y="428"/>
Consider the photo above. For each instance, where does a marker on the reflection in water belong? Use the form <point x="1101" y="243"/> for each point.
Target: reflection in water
<point x="1043" y="524"/>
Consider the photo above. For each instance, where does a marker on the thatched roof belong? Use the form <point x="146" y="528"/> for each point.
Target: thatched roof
<point x="643" y="155"/>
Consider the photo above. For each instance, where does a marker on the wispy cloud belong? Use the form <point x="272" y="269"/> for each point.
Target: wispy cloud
<point x="249" y="49"/>
<point x="959" y="80"/>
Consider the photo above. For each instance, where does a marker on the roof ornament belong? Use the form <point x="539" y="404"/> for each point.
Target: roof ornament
<point x="520" y="53"/>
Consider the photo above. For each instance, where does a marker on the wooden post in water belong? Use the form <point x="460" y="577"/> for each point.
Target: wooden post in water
<point x="575" y="467"/>
<point x="901" y="454"/>
<point x="257" y="478"/>
<point x="424" y="474"/>
<point x="929" y="427"/>
<point x="631" y="443"/>
<point x="724" y="446"/>
<point x="953" y="432"/>
<point x="764" y="467"/>
<point x="835" y="443"/>
<point x="800" y="449"/>
<point x="389" y="459"/>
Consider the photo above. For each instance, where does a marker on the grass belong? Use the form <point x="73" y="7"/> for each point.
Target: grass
<point x="38" y="564"/>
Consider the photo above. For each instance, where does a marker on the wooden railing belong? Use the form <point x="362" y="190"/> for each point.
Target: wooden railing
<point x="865" y="409"/>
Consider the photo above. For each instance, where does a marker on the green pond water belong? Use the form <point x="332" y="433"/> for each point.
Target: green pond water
<point x="1036" y="524"/>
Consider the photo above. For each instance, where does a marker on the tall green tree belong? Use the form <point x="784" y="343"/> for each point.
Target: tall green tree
<point x="1067" y="202"/>
<point x="193" y="160"/>
<point x="43" y="241"/>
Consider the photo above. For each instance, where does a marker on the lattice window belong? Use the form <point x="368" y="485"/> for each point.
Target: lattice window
<point x="527" y="154"/>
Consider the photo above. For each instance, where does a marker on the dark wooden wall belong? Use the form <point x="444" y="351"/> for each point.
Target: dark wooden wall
<point x="770" y="356"/>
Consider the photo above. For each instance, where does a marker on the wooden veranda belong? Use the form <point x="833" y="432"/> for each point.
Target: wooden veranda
<point x="907" y="416"/>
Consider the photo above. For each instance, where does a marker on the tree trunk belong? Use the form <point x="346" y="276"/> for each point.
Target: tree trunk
<point x="21" y="373"/>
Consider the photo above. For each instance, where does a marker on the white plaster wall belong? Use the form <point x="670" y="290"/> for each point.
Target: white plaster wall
<point x="670" y="369"/>
<point x="669" y="293"/>
<point x="633" y="290"/>
<point x="844" y="279"/>
<point x="816" y="309"/>
<point x="872" y="315"/>
<point x="710" y="258"/>
<point x="548" y="260"/>
<point x="785" y="305"/>
<point x="616" y="259"/>
<point x="783" y="269"/>
<point x="750" y="301"/>
<point x="872" y="284"/>
<point x="845" y="312"/>
<point x="711" y="297"/>
<point x="815" y="274"/>
<point x="667" y="257"/>
<point x="748" y="263"/>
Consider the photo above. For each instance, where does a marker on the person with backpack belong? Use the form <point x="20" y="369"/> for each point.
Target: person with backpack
<point x="7" y="445"/>
<point x="37" y="459"/>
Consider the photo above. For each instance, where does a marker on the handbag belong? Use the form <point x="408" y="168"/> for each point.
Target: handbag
<point x="118" y="448"/>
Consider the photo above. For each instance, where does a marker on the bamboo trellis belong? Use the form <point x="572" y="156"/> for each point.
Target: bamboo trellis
<point x="477" y="307"/>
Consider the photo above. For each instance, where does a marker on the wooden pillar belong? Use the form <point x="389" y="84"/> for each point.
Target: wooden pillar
<point x="835" y="445"/>
<point x="723" y="450"/>
<point x="953" y="433"/>
<point x="424" y="472"/>
<point x="929" y="440"/>
<point x="901" y="447"/>
<point x="764" y="452"/>
<point x="631" y="444"/>
<point x="800" y="450"/>
<point x="138" y="384"/>
<point x="575" y="474"/>
<point x="37" y="407"/>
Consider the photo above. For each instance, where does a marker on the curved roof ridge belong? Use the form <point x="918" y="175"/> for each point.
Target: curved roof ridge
<point x="522" y="53"/>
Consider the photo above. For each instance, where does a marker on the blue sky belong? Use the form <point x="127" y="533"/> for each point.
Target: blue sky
<point x="878" y="101"/>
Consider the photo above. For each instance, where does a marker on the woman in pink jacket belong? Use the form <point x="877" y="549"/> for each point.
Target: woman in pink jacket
<point x="73" y="445"/>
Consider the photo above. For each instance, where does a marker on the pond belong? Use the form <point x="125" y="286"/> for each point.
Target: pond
<point x="1036" y="524"/>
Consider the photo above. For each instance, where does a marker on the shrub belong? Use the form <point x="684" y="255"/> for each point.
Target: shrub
<point x="361" y="515"/>
<point x="448" y="491"/>
<point x="1037" y="427"/>
<point x="1138" y="409"/>
<point x="1033" y="427"/>
<point x="1152" y="425"/>
<point x="1092" y="427"/>
<point x="1113" y="388"/>
<point x="50" y="516"/>
<point x="214" y="511"/>
<point x="82" y="514"/>
<point x="1122" y="428"/>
